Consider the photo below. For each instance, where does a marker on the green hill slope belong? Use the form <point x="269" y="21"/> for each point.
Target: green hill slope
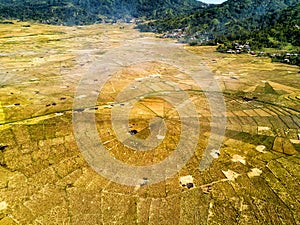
<point x="231" y="20"/>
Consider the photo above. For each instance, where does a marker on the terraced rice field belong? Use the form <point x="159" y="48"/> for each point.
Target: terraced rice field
<point x="52" y="90"/>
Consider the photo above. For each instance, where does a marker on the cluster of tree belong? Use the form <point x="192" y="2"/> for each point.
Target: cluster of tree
<point x="289" y="58"/>
<point x="70" y="12"/>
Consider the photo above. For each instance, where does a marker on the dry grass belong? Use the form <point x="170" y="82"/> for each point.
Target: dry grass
<point x="46" y="180"/>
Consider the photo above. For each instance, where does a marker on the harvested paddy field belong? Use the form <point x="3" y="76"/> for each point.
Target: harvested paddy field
<point x="222" y="131"/>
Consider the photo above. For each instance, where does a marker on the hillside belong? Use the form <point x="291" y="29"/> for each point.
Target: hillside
<point x="69" y="12"/>
<point x="231" y="20"/>
<point x="278" y="37"/>
<point x="283" y="27"/>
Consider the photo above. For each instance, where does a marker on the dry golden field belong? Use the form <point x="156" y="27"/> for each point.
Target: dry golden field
<point x="45" y="178"/>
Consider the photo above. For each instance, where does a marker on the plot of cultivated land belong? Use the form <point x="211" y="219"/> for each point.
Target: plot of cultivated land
<point x="44" y="178"/>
